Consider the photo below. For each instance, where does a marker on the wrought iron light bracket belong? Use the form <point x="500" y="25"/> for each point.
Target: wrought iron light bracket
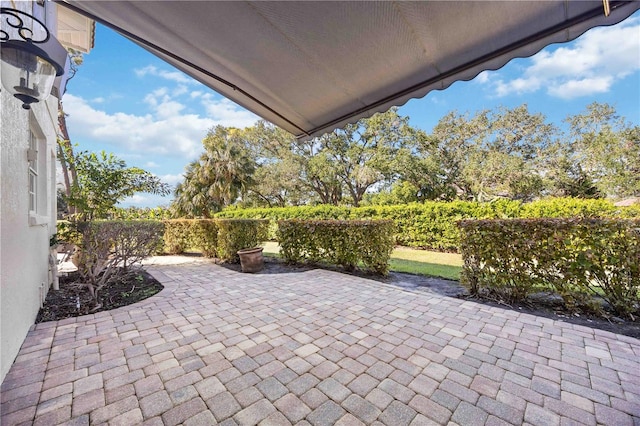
<point x="31" y="57"/>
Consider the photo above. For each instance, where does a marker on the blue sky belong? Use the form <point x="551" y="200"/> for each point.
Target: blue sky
<point x="126" y="101"/>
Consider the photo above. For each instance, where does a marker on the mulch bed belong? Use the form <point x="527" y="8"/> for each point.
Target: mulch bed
<point x="73" y="299"/>
<point x="64" y="303"/>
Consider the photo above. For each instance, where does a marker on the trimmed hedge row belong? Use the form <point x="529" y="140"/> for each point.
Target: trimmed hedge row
<point x="433" y="224"/>
<point x="220" y="238"/>
<point x="339" y="242"/>
<point x="236" y="234"/>
<point x="184" y="234"/>
<point x="575" y="258"/>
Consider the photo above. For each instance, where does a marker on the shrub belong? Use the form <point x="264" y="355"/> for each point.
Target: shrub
<point x="338" y="242"/>
<point x="631" y="211"/>
<point x="432" y="224"/>
<point x="136" y="240"/>
<point x="177" y="236"/>
<point x="283" y="213"/>
<point x="576" y="258"/>
<point x="140" y="213"/>
<point x="67" y="232"/>
<point x="220" y="238"/>
<point x="184" y="234"/>
<point x="108" y="248"/>
<point x="568" y="207"/>
<point x="236" y="234"/>
<point x="204" y="236"/>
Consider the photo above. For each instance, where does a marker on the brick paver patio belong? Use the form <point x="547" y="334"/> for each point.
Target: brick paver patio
<point x="319" y="348"/>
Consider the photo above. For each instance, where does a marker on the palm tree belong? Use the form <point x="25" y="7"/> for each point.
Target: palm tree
<point x="218" y="177"/>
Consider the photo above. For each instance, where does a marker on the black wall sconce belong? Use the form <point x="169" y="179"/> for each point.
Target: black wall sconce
<point x="31" y="57"/>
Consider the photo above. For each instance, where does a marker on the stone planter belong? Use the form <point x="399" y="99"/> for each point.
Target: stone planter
<point x="251" y="259"/>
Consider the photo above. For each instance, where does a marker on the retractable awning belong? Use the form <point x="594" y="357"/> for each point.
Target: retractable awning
<point x="312" y="66"/>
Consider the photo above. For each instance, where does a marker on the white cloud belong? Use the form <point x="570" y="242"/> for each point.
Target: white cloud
<point x="180" y="90"/>
<point x="151" y="165"/>
<point x="589" y="66"/>
<point x="152" y="98"/>
<point x="167" y="130"/>
<point x="177" y="135"/>
<point x="576" y="88"/>
<point x="437" y="100"/>
<point x="482" y="78"/>
<point x="168" y="109"/>
<point x="136" y="199"/>
<point x="172" y="179"/>
<point x="176" y="76"/>
<point x="163" y="104"/>
<point x="146" y="200"/>
<point x="518" y="85"/>
<point x="226" y="113"/>
<point x="98" y="100"/>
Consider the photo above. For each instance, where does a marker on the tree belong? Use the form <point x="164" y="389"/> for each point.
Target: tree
<point x="221" y="174"/>
<point x="277" y="184"/>
<point x="422" y="172"/>
<point x="491" y="154"/>
<point x="400" y="192"/>
<point x="450" y="146"/>
<point x="607" y="149"/>
<point x="350" y="161"/>
<point x="103" y="180"/>
<point x="337" y="167"/>
<point x="276" y="181"/>
<point x="565" y="177"/>
<point x="64" y="146"/>
<point x="363" y="153"/>
<point x="317" y="172"/>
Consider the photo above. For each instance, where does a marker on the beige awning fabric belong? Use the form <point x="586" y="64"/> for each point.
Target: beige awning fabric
<point x="312" y="66"/>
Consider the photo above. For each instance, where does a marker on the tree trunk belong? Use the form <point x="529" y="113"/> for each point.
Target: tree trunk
<point x="65" y="156"/>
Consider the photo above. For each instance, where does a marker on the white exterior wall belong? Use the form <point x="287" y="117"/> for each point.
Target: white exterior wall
<point x="24" y="237"/>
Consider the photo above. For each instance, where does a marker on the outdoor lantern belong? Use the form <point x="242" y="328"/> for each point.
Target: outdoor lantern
<point x="30" y="63"/>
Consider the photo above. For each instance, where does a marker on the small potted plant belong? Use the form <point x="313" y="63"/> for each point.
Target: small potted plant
<point x="251" y="259"/>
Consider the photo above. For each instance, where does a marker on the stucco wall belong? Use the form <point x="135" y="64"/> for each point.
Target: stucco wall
<point x="24" y="239"/>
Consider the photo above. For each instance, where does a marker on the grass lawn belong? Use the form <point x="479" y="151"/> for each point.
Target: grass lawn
<point x="403" y="259"/>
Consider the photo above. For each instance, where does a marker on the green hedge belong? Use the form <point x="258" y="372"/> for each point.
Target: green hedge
<point x="432" y="224"/>
<point x="569" y="207"/>
<point x="140" y="213"/>
<point x="236" y="234"/>
<point x="220" y="238"/>
<point x="124" y="234"/>
<point x="576" y="258"/>
<point x="338" y="242"/>
<point x="177" y="236"/>
<point x="204" y="235"/>
<point x="184" y="234"/>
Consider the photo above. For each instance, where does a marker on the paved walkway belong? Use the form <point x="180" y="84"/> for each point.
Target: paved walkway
<point x="319" y="348"/>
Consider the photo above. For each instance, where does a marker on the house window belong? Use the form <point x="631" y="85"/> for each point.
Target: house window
<point x="32" y="156"/>
<point x="37" y="190"/>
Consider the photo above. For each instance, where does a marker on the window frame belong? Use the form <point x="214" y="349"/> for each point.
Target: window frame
<point x="32" y="160"/>
<point x="38" y="201"/>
